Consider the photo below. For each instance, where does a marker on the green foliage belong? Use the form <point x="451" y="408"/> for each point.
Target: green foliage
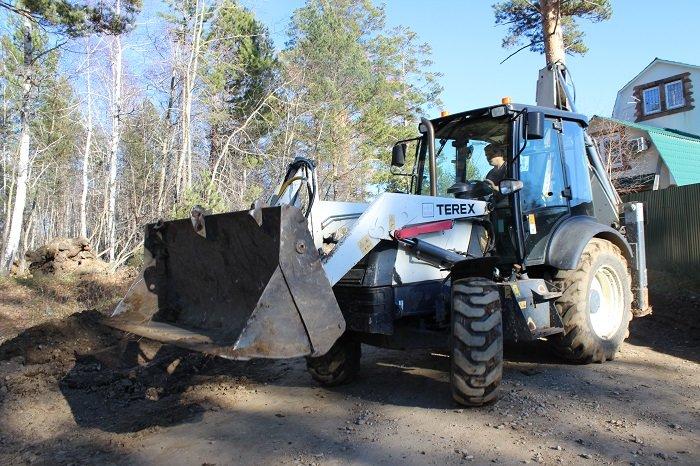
<point x="241" y="57"/>
<point x="51" y="98"/>
<point x="238" y="73"/>
<point x="362" y="88"/>
<point x="524" y="22"/>
<point x="202" y="194"/>
<point x="76" y="18"/>
<point x="56" y="131"/>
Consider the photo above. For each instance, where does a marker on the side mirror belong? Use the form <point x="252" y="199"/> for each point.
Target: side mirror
<point x="398" y="155"/>
<point x="535" y="125"/>
<point x="509" y="186"/>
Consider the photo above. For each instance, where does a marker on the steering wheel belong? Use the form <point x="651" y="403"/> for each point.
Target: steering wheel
<point x="472" y="189"/>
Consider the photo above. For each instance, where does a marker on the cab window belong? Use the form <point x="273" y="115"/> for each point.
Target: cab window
<point x="461" y="148"/>
<point x="577" y="169"/>
<point x="541" y="172"/>
<point x="542" y="199"/>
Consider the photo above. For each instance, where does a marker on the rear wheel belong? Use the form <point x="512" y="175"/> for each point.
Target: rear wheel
<point x="339" y="365"/>
<point x="477" y="341"/>
<point x="596" y="304"/>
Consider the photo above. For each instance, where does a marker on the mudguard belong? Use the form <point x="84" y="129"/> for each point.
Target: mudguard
<point x="571" y="237"/>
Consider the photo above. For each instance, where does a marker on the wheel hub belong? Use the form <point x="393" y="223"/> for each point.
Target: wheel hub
<point x="606" y="302"/>
<point x="594" y="301"/>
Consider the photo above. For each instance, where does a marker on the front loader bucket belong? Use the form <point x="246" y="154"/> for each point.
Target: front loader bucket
<point x="234" y="288"/>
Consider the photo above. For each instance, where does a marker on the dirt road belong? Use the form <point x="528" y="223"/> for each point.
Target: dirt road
<point x="70" y="392"/>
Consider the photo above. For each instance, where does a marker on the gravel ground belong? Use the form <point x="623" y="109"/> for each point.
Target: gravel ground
<point x="72" y="391"/>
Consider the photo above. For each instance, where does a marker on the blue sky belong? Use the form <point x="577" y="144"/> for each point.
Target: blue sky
<point x="467" y="47"/>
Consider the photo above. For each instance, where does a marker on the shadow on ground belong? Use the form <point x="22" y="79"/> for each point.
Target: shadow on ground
<point x="673" y="327"/>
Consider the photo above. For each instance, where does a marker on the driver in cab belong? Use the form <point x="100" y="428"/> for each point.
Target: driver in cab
<point x="495" y="154"/>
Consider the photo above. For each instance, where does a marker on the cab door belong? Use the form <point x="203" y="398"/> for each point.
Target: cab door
<point x="544" y="198"/>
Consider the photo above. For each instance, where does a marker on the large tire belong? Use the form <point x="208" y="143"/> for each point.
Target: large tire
<point x="477" y="341"/>
<point x="595" y="306"/>
<point x="339" y="365"/>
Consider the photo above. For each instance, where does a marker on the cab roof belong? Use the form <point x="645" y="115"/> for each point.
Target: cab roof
<point x="486" y="112"/>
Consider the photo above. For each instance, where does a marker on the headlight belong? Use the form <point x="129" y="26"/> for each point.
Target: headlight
<point x="497" y="112"/>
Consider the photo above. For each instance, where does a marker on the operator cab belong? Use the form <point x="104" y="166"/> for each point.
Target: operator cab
<point x="530" y="162"/>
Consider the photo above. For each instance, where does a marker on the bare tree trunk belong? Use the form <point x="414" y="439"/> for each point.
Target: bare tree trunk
<point x="114" y="146"/>
<point x="184" y="181"/>
<point x="16" y="220"/>
<point x="5" y="167"/>
<point x="554" y="50"/>
<point x="86" y="153"/>
<point x="22" y="267"/>
<point x="165" y="146"/>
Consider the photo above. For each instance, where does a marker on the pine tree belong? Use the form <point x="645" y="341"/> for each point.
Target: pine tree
<point x="549" y="26"/>
<point x="239" y="75"/>
<point x="360" y="85"/>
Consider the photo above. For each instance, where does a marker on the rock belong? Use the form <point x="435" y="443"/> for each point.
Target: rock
<point x="585" y="455"/>
<point x="152" y="394"/>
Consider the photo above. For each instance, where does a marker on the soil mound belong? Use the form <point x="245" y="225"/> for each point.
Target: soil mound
<point x="66" y="256"/>
<point x="111" y="380"/>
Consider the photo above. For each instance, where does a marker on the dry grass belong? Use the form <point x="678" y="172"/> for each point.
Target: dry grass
<point x="31" y="300"/>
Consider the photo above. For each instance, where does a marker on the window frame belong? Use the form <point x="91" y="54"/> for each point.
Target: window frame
<point x="683" y="102"/>
<point x="639" y="92"/>
<point x="644" y="100"/>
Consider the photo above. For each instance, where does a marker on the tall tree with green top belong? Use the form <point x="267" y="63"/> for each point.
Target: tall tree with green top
<point x="549" y="26"/>
<point x="362" y="87"/>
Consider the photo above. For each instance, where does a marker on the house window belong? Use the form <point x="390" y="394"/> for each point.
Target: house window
<point x="662" y="97"/>
<point x="674" y="95"/>
<point x="652" y="100"/>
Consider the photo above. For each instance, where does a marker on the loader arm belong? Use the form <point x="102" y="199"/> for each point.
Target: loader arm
<point x="388" y="213"/>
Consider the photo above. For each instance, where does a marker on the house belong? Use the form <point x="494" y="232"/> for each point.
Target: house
<point x="652" y="140"/>
<point x="661" y="95"/>
<point x="641" y="157"/>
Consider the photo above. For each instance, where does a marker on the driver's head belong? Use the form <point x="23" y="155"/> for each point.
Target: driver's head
<point x="495" y="154"/>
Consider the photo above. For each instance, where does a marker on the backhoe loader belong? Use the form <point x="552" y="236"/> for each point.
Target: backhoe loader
<point x="464" y="258"/>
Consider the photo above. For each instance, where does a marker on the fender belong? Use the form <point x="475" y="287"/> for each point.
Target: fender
<point x="571" y="236"/>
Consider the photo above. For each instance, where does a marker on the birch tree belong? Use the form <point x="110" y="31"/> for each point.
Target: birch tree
<point x="189" y="18"/>
<point x="116" y="104"/>
<point x="65" y="20"/>
<point x="87" y="149"/>
<point x="22" y="171"/>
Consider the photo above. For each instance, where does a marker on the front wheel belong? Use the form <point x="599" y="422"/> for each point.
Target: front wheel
<point x="477" y="341"/>
<point x="595" y="306"/>
<point x="339" y="365"/>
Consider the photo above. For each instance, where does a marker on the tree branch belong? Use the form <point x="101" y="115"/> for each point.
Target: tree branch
<point x="520" y="50"/>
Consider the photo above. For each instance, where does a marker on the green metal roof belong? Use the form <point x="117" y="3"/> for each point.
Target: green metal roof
<point x="680" y="151"/>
